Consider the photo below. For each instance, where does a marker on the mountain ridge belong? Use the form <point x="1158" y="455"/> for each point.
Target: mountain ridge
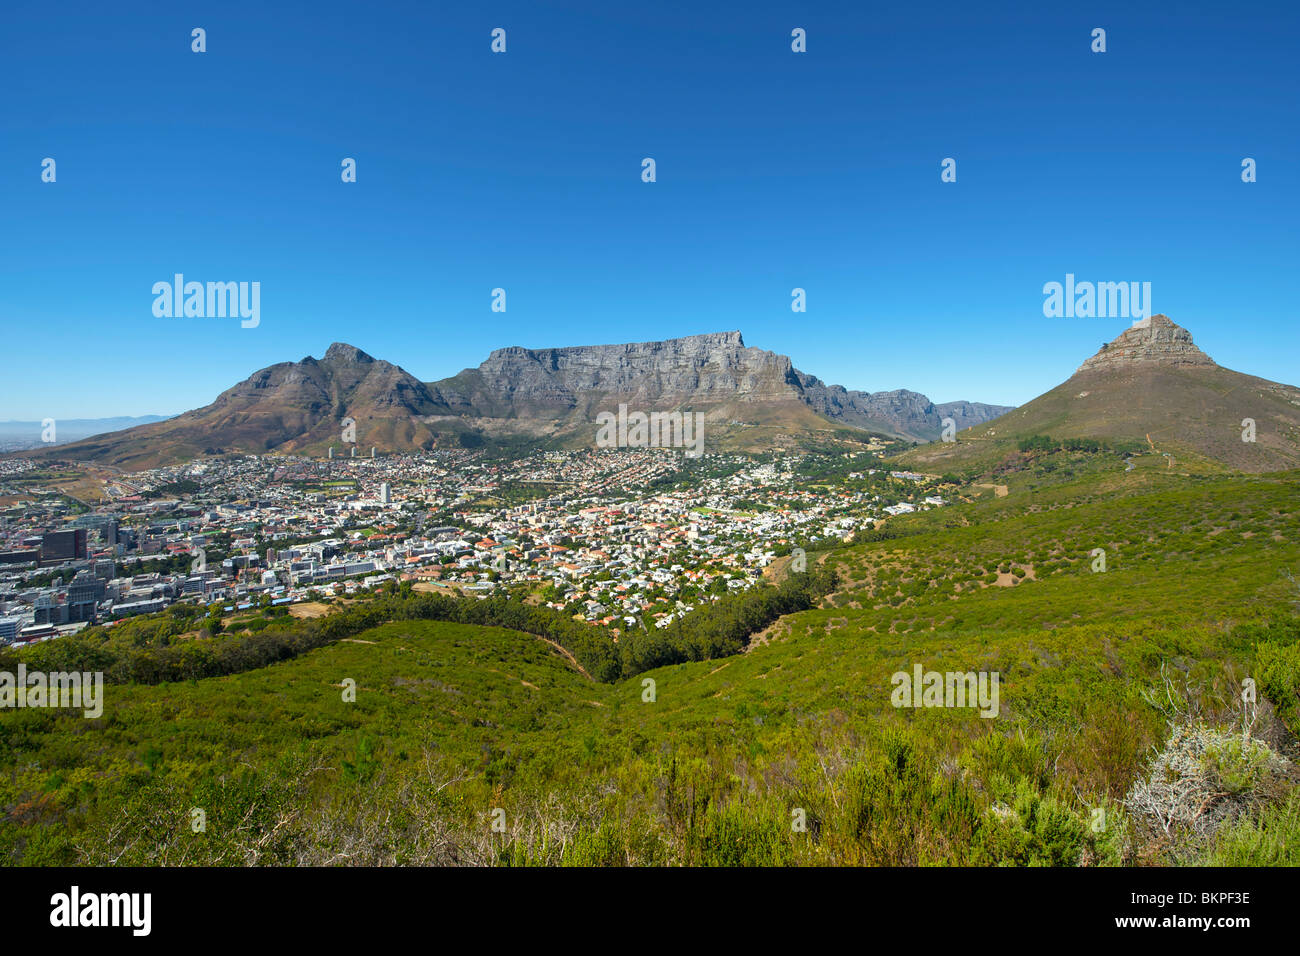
<point x="521" y="394"/>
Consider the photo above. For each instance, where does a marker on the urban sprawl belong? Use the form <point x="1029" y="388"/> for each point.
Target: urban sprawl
<point x="620" y="538"/>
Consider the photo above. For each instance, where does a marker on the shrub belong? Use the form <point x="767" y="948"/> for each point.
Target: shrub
<point x="1272" y="838"/>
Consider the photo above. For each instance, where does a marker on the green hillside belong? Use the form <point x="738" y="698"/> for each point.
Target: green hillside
<point x="1149" y="391"/>
<point x="790" y="752"/>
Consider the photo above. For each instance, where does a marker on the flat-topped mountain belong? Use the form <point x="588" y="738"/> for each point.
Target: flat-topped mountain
<point x="520" y="382"/>
<point x="1154" y="385"/>
<point x="1151" y="383"/>
<point x="522" y="395"/>
<point x="716" y="369"/>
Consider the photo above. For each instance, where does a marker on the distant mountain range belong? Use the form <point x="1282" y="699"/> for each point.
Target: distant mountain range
<point x="751" y="398"/>
<point x="1151" y="384"/>
<point x="19" y="434"/>
<point x="1154" y="385"/>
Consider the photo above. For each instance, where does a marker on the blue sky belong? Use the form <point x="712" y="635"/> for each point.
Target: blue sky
<point x="523" y="171"/>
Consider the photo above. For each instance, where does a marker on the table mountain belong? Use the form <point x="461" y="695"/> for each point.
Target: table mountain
<point x="522" y="394"/>
<point x="716" y="369"/>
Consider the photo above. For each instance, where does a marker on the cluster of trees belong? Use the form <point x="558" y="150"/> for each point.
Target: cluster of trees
<point x="172" y="564"/>
<point x="887" y="533"/>
<point x="146" y="654"/>
<point x="724" y="627"/>
<point x="1045" y="443"/>
<point x="174" y="489"/>
<point x="1036" y="443"/>
<point x="825" y="467"/>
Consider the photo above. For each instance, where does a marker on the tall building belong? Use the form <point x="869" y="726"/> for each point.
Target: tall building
<point x="84" y="594"/>
<point x="385" y="493"/>
<point x="50" y="610"/>
<point x="106" y="525"/>
<point x="60" y="546"/>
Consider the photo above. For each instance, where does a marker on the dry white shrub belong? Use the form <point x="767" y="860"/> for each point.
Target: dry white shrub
<point x="1203" y="777"/>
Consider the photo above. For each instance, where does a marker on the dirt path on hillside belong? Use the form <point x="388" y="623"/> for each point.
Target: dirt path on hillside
<point x="567" y="656"/>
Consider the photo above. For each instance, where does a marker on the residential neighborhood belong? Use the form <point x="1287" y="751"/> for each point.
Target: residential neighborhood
<point x="621" y="538"/>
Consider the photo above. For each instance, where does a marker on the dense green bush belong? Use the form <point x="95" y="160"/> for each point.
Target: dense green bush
<point x="148" y="656"/>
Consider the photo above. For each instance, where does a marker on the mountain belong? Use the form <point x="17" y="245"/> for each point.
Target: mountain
<point x="900" y="412"/>
<point x="540" y="383"/>
<point x="716" y="370"/>
<point x="1154" y="385"/>
<point x="287" y="407"/>
<point x="752" y="398"/>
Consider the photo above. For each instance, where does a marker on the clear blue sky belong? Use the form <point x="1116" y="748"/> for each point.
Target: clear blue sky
<point x="523" y="170"/>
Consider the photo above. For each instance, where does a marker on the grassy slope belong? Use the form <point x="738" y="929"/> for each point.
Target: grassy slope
<point x="452" y="721"/>
<point x="1195" y="415"/>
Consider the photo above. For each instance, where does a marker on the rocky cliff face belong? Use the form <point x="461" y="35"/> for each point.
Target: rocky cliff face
<point x="299" y="406"/>
<point x="346" y="377"/>
<point x="700" y="370"/>
<point x="703" y="368"/>
<point x="900" y="411"/>
<point x="1157" y="339"/>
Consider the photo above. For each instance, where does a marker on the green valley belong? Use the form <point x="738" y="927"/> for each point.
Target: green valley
<point x="475" y="744"/>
